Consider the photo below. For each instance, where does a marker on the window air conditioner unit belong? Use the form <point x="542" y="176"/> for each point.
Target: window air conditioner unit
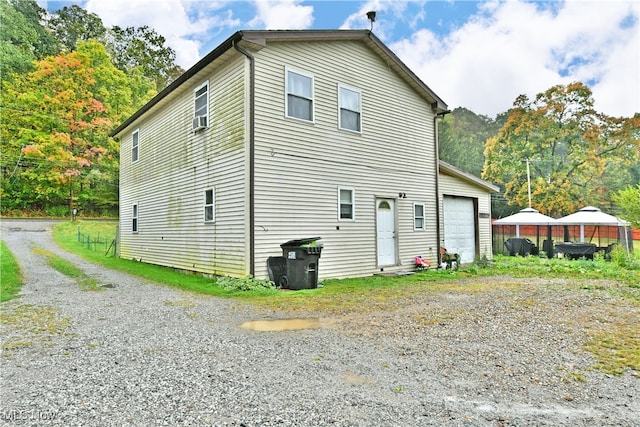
<point x="199" y="122"/>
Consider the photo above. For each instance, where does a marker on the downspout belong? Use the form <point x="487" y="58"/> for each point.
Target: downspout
<point x="437" y="160"/>
<point x="252" y="220"/>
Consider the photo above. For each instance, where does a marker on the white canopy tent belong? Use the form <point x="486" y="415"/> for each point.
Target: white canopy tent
<point x="594" y="217"/>
<point x="527" y="216"/>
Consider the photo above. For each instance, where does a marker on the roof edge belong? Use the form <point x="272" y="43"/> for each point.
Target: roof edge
<point x="449" y="168"/>
<point x="211" y="56"/>
<point x="260" y="38"/>
<point x="439" y="106"/>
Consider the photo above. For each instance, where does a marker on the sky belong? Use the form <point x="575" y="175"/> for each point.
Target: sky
<point x="480" y="55"/>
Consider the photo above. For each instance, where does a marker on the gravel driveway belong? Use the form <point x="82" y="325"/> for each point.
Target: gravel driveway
<point x="141" y="354"/>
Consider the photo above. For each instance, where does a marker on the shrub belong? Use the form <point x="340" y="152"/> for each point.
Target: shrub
<point x="620" y="257"/>
<point x="249" y="283"/>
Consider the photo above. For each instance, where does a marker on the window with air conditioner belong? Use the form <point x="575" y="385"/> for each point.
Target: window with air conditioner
<point x="201" y="107"/>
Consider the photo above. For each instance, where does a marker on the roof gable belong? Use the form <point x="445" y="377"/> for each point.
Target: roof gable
<point x="451" y="170"/>
<point x="259" y="39"/>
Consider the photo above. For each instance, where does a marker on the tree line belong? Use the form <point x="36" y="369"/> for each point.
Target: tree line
<point x="67" y="81"/>
<point x="575" y="155"/>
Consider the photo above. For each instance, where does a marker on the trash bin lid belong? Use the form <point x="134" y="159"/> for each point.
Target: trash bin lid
<point x="299" y="242"/>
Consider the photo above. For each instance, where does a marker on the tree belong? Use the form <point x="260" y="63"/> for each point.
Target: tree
<point x="629" y="201"/>
<point x="131" y="48"/>
<point x="462" y="135"/>
<point x="23" y="38"/>
<point x="54" y="126"/>
<point x="72" y="24"/>
<point x="569" y="147"/>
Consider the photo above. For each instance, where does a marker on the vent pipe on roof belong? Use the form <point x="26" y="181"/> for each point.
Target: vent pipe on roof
<point x="371" y="15"/>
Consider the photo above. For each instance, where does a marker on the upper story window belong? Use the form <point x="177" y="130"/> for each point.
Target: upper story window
<point x="418" y="216"/>
<point x="346" y="205"/>
<point x="135" y="145"/>
<point x="201" y="106"/>
<point x="299" y="89"/>
<point x="350" y="108"/>
<point x="209" y="205"/>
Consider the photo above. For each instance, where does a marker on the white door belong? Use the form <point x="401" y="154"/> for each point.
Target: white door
<point x="460" y="227"/>
<point x="386" y="231"/>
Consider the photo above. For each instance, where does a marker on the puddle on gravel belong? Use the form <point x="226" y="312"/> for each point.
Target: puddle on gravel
<point x="285" y="324"/>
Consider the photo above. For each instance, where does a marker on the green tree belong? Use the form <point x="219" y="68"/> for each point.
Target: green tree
<point x="72" y="24"/>
<point x="629" y="201"/>
<point x="569" y="146"/>
<point x="54" y="125"/>
<point x="462" y="135"/>
<point x="23" y="38"/>
<point x="142" y="48"/>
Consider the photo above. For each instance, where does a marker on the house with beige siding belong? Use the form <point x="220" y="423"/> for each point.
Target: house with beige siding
<point x="280" y="135"/>
<point x="465" y="215"/>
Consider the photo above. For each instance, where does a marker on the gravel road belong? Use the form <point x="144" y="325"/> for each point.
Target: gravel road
<point x="140" y="354"/>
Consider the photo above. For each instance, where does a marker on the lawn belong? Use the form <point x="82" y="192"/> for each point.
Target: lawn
<point x="10" y="276"/>
<point x="351" y="293"/>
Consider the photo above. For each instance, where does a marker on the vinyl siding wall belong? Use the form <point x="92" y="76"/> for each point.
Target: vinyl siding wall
<point x="299" y="166"/>
<point x="453" y="186"/>
<point x="176" y="166"/>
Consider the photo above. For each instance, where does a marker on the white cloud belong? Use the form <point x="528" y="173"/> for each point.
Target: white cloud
<point x="389" y="13"/>
<point x="170" y="18"/>
<point x="282" y="14"/>
<point x="515" y="48"/>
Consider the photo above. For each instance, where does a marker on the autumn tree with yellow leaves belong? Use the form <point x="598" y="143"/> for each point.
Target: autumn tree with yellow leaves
<point x="574" y="152"/>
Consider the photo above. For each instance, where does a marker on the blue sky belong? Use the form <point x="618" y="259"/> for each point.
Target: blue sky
<point x="478" y="55"/>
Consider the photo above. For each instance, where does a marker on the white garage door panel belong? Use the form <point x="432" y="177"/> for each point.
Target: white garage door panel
<point x="459" y="227"/>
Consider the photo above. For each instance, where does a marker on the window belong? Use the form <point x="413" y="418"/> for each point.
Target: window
<point x="346" y="209"/>
<point x="135" y="141"/>
<point x="134" y="224"/>
<point x="201" y="105"/>
<point x="209" y="205"/>
<point x="418" y="216"/>
<point x="299" y="88"/>
<point x="350" y="107"/>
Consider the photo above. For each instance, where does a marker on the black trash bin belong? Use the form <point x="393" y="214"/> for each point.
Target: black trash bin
<point x="301" y="257"/>
<point x="277" y="267"/>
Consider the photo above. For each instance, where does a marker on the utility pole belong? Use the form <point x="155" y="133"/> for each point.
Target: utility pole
<point x="529" y="182"/>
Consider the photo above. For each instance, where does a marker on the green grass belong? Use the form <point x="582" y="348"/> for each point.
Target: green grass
<point x="65" y="234"/>
<point x="10" y="275"/>
<point x="345" y="294"/>
<point x="617" y="348"/>
<point x="65" y="267"/>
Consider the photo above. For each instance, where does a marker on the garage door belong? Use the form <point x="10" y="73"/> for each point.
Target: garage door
<point x="460" y="227"/>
